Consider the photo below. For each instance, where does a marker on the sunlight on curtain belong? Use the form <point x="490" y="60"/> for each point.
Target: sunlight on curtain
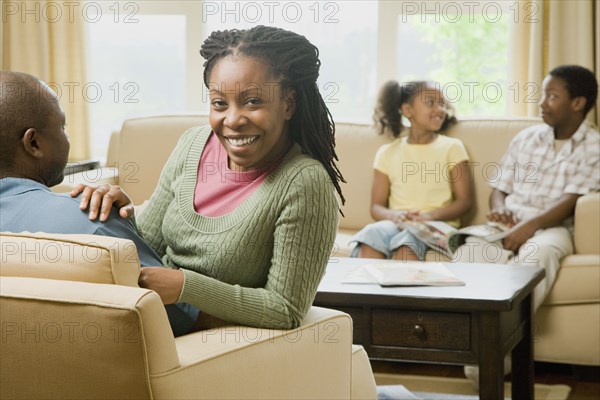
<point x="547" y="34"/>
<point x="46" y="39"/>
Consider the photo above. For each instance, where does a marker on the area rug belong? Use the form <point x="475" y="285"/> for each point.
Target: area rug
<point x="402" y="387"/>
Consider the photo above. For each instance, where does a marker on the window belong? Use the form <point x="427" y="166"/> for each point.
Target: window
<point x="470" y="72"/>
<point x="139" y="64"/>
<point x="143" y="55"/>
<point x="344" y="31"/>
<point x="461" y="46"/>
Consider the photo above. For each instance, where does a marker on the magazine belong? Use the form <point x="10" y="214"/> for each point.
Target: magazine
<point x="445" y="238"/>
<point x="400" y="273"/>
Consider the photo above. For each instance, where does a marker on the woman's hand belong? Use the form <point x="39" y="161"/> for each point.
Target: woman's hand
<point x="101" y="199"/>
<point x="167" y="282"/>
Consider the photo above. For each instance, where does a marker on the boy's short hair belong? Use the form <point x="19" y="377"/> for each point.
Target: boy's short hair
<point x="580" y="81"/>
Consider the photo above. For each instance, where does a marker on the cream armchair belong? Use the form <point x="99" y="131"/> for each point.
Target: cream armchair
<point x="567" y="326"/>
<point x="75" y="325"/>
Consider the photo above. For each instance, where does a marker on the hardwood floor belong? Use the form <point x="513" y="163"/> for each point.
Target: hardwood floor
<point x="584" y="381"/>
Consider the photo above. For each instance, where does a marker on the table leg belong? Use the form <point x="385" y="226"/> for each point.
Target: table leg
<point x="491" y="358"/>
<point x="522" y="357"/>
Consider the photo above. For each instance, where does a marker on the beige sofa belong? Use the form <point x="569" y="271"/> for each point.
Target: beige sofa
<point x="76" y="326"/>
<point x="567" y="326"/>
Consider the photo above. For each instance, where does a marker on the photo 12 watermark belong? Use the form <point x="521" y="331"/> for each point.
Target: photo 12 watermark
<point x="72" y="91"/>
<point x="64" y="253"/>
<point x="325" y="333"/>
<point x="70" y="11"/>
<point x="68" y="332"/>
<point x="255" y="12"/>
<point x="459" y="11"/>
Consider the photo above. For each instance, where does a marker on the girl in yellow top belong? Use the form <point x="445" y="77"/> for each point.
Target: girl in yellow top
<point x="420" y="176"/>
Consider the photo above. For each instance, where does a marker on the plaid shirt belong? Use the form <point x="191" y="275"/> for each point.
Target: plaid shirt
<point x="535" y="176"/>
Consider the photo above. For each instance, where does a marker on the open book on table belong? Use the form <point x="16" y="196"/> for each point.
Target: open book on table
<point x="401" y="273"/>
<point x="446" y="239"/>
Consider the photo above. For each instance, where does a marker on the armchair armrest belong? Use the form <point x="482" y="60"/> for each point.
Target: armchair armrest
<point x="85" y="258"/>
<point x="587" y="224"/>
<point x="310" y="362"/>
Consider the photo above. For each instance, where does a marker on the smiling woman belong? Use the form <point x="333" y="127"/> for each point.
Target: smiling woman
<point x="249" y="113"/>
<point x="245" y="211"/>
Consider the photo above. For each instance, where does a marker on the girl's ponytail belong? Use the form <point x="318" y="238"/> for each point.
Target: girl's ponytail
<point x="387" y="115"/>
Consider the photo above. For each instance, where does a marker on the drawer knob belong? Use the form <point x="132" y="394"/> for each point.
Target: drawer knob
<point x="419" y="330"/>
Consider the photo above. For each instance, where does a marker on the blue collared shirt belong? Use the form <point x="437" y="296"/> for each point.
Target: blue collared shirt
<point x="27" y="205"/>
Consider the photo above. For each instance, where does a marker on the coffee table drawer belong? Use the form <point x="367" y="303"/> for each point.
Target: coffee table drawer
<point x="428" y="330"/>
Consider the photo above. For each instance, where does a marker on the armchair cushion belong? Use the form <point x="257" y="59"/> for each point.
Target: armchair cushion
<point x="64" y="339"/>
<point x="85" y="258"/>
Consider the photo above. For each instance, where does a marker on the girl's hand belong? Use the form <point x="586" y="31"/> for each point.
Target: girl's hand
<point x="101" y="199"/>
<point x="167" y="282"/>
<point x="401" y="216"/>
<point x="502" y="216"/>
<point x="419" y="216"/>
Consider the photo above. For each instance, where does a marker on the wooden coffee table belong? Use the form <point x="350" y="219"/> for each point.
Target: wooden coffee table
<point x="478" y="323"/>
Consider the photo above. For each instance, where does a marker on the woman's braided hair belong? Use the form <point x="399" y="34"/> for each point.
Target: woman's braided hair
<point x="295" y="62"/>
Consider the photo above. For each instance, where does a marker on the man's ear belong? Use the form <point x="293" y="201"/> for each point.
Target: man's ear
<point x="31" y="143"/>
<point x="290" y="104"/>
<point x="578" y="103"/>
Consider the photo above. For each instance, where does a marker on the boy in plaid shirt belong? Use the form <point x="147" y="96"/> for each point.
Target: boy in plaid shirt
<point x="545" y="170"/>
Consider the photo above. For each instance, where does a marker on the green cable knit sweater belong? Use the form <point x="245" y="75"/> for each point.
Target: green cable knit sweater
<point x="259" y="265"/>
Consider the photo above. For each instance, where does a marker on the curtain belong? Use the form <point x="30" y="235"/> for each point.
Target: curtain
<point x="546" y="34"/>
<point x="43" y="39"/>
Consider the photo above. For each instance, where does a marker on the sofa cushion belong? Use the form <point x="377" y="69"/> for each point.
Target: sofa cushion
<point x="356" y="146"/>
<point x="577" y="281"/>
<point x="86" y="258"/>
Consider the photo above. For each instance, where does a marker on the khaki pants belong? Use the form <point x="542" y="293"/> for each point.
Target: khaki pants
<point x="545" y="249"/>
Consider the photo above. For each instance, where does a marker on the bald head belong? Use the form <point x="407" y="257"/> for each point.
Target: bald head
<point x="25" y="102"/>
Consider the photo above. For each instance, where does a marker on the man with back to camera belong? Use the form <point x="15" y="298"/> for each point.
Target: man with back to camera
<point x="33" y="156"/>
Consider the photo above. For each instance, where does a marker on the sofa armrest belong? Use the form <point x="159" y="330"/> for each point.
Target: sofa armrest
<point x="587" y="224"/>
<point x="310" y="362"/>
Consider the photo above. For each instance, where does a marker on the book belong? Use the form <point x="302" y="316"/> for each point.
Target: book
<point x="445" y="238"/>
<point x="401" y="273"/>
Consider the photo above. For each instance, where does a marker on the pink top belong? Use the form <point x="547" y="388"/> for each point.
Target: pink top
<point x="219" y="190"/>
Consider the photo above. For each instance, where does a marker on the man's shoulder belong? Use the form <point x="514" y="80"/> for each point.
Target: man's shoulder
<point x="59" y="214"/>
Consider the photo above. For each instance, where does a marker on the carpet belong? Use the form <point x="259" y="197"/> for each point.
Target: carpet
<point x="393" y="387"/>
